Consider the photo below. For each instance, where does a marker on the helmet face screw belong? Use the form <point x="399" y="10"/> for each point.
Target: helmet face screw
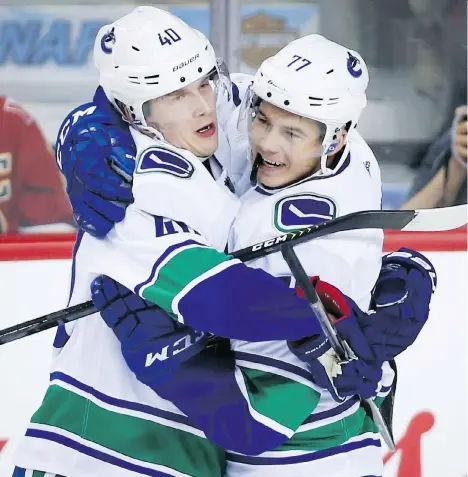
<point x="182" y="80"/>
<point x="286" y="103"/>
<point x="269" y="95"/>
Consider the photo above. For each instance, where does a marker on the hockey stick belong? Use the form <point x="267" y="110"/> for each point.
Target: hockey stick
<point x="408" y="220"/>
<point x="423" y="220"/>
<point x="343" y="352"/>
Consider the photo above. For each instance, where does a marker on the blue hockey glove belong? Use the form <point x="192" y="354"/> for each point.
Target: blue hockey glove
<point x="400" y="303"/>
<point x="96" y="154"/>
<point x="359" y="376"/>
<point x="153" y="344"/>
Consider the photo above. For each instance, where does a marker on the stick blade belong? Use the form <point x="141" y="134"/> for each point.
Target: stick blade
<point x="437" y="220"/>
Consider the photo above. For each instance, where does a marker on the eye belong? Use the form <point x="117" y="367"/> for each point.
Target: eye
<point x="205" y="84"/>
<point x="179" y="96"/>
<point x="261" y="119"/>
<point x="292" y="134"/>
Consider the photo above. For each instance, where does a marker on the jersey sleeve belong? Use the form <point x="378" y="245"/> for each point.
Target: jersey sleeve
<point x="200" y="286"/>
<point x="42" y="198"/>
<point x="246" y="402"/>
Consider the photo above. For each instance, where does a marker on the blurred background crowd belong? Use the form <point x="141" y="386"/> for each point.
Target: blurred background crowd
<point x="415" y="120"/>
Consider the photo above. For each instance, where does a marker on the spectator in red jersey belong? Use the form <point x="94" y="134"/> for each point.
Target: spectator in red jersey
<point x="31" y="188"/>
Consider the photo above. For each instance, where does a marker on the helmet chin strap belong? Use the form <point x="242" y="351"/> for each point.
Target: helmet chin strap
<point x="255" y="166"/>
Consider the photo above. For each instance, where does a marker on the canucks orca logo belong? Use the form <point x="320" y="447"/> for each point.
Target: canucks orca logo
<point x="303" y="210"/>
<point x="353" y="66"/>
<point x="160" y="159"/>
<point x="107" y="41"/>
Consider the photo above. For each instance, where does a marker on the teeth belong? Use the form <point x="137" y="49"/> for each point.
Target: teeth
<point x="271" y="163"/>
<point x="205" y="128"/>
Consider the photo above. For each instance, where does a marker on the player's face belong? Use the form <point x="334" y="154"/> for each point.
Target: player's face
<point x="289" y="145"/>
<point x="187" y="118"/>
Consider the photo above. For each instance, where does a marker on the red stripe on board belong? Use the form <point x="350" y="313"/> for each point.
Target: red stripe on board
<point x="30" y="238"/>
<point x="36" y="250"/>
<point x="450" y="241"/>
<point x="60" y="246"/>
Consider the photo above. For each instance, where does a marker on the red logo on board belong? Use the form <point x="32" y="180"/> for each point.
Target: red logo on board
<point x="409" y="446"/>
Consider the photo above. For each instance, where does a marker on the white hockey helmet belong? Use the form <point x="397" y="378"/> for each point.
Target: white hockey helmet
<point x="318" y="79"/>
<point x="150" y="53"/>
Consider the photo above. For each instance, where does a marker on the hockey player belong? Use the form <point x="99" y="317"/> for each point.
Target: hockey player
<point x="93" y="397"/>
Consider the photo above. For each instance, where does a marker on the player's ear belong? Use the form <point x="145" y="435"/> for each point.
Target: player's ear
<point x="125" y="111"/>
<point x="340" y="142"/>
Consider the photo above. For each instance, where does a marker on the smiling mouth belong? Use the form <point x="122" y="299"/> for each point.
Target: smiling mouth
<point x="205" y="128"/>
<point x="271" y="164"/>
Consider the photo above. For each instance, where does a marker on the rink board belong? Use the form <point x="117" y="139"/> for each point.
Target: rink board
<point x="430" y="418"/>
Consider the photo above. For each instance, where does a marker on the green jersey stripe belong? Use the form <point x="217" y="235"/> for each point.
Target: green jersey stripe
<point x="282" y="400"/>
<point x="174" y="275"/>
<point x="333" y="434"/>
<point x="159" y="419"/>
<point x="136" y="438"/>
<point x="116" y="462"/>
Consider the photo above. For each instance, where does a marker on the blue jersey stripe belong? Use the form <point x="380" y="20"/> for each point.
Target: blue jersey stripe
<point x="297" y="459"/>
<point x="385" y="389"/>
<point x="235" y="95"/>
<point x="89" y="451"/>
<point x="332" y="412"/>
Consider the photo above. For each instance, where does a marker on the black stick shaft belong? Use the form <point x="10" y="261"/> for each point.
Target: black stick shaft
<point x="310" y="294"/>
<point x="46" y="322"/>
